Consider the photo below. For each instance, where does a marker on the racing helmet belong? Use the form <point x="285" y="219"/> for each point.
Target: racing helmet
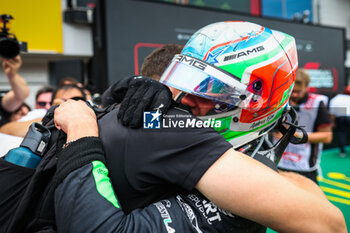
<point x="247" y="70"/>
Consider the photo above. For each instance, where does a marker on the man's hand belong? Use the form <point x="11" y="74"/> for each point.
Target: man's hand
<point x="11" y="66"/>
<point x="76" y="119"/>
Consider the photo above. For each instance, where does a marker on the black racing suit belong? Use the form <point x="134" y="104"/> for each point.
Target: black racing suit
<point x="85" y="201"/>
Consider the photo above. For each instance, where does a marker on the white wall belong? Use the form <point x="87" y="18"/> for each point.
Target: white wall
<point x="77" y="39"/>
<point x="335" y="13"/>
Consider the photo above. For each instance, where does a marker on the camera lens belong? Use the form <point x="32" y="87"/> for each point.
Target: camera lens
<point x="9" y="48"/>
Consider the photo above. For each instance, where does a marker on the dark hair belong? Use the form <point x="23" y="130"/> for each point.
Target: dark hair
<point x="42" y="90"/>
<point x="156" y="62"/>
<point x="22" y="105"/>
<point x="69" y="79"/>
<point x="67" y="87"/>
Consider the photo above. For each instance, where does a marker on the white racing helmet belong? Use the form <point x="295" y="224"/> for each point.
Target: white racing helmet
<point x="247" y="70"/>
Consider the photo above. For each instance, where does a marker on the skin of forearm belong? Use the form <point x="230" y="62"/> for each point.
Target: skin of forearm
<point x="273" y="200"/>
<point x="83" y="129"/>
<point x="19" y="87"/>
<point x="324" y="137"/>
<point x="18" y="129"/>
<point x="304" y="183"/>
<point x="19" y="92"/>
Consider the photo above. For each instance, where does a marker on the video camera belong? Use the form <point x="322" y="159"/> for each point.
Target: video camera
<point x="10" y="47"/>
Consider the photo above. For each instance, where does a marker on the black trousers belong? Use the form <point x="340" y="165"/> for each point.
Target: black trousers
<point x="342" y="126"/>
<point x="311" y="175"/>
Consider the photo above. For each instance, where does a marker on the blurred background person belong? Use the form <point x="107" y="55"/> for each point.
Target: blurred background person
<point x="22" y="111"/>
<point x="60" y="95"/>
<point x="65" y="92"/>
<point x="43" y="97"/>
<point x="339" y="107"/>
<point x="70" y="80"/>
<point x="14" y="98"/>
<point x="314" y="116"/>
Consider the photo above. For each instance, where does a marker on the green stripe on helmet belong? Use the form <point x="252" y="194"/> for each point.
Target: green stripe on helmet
<point x="238" y="68"/>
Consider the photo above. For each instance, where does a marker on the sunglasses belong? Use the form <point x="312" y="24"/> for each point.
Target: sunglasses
<point x="58" y="101"/>
<point x="43" y="104"/>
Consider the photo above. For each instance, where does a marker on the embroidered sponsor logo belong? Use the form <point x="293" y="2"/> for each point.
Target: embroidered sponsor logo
<point x="165" y="214"/>
<point x="189" y="212"/>
<point x="208" y="209"/>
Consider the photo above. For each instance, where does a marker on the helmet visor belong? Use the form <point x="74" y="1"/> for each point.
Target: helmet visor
<point x="199" y="78"/>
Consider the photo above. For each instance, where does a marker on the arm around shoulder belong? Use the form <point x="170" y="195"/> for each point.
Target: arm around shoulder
<point x="81" y="174"/>
<point x="243" y="186"/>
<point x="17" y="128"/>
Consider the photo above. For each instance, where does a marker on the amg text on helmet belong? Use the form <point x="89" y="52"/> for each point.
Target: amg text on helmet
<point x="192" y="61"/>
<point x="244" y="53"/>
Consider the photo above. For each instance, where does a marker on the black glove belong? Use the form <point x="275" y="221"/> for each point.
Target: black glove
<point x="136" y="95"/>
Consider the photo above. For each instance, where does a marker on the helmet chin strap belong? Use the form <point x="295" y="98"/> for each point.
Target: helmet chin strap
<point x="178" y="98"/>
<point x="178" y="102"/>
<point x="269" y="154"/>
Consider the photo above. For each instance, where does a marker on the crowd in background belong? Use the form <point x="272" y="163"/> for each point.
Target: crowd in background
<point x="16" y="115"/>
<point x="327" y="114"/>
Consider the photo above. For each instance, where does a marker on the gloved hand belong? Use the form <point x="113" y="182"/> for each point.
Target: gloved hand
<point x="136" y="95"/>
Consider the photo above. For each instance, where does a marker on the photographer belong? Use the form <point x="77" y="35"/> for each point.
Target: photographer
<point x="14" y="98"/>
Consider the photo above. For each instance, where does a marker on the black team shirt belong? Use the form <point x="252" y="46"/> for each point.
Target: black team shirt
<point x="149" y="165"/>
